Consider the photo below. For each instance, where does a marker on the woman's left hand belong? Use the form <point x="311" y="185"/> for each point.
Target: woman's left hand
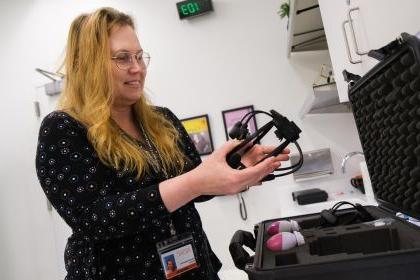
<point x="258" y="152"/>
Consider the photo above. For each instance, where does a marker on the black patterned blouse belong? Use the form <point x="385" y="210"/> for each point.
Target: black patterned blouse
<point x="116" y="220"/>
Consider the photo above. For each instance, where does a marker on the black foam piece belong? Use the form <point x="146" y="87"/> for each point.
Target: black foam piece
<point x="360" y="240"/>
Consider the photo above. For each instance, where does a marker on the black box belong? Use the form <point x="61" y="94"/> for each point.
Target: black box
<point x="386" y="107"/>
<point x="309" y="196"/>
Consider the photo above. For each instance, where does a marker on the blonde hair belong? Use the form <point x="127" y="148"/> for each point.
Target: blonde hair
<point x="87" y="96"/>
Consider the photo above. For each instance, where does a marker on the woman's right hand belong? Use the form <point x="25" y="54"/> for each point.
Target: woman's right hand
<point x="218" y="178"/>
<point x="215" y="177"/>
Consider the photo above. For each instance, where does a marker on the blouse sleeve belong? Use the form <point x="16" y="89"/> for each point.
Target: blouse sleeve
<point x="188" y="146"/>
<point x="81" y="188"/>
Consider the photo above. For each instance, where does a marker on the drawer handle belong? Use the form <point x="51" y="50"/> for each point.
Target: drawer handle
<point x="346" y="43"/>
<point x="359" y="52"/>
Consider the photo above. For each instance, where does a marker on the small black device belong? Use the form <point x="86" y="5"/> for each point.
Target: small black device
<point x="192" y="8"/>
<point x="285" y="130"/>
<point x="309" y="196"/>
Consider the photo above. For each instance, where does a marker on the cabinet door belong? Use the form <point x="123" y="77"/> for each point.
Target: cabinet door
<point x="334" y="18"/>
<point x="375" y="23"/>
<point x="378" y="22"/>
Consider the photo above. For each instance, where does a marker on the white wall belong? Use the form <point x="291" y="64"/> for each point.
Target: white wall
<point x="230" y="58"/>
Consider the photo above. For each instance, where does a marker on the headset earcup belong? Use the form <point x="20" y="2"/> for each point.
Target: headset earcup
<point x="235" y="131"/>
<point x="234" y="160"/>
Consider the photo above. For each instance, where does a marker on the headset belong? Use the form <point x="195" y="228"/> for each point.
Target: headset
<point x="285" y="130"/>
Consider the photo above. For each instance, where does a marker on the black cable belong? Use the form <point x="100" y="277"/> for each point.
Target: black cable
<point x="330" y="218"/>
<point x="286" y="129"/>
<point x="251" y="140"/>
<point x="298" y="164"/>
<point x="294" y="167"/>
<point x="254" y="113"/>
<point x="266" y="128"/>
<point x="341" y="203"/>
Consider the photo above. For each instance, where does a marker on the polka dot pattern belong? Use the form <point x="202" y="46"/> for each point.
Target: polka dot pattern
<point x="116" y="220"/>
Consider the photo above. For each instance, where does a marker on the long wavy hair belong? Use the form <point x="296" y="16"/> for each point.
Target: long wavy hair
<point x="87" y="96"/>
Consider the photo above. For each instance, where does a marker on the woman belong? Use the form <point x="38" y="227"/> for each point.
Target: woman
<point x="123" y="174"/>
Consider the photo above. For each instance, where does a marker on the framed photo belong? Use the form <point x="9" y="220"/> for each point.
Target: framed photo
<point x="199" y="131"/>
<point x="232" y="116"/>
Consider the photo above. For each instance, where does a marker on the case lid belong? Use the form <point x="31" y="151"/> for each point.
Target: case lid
<point x="386" y="107"/>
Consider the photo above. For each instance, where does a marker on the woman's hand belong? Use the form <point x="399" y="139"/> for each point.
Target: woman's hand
<point x="216" y="177"/>
<point x="258" y="152"/>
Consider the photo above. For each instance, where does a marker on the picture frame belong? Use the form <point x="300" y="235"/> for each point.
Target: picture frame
<point x="232" y="116"/>
<point x="198" y="129"/>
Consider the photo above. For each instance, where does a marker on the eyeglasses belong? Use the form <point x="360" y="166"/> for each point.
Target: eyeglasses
<point x="124" y="60"/>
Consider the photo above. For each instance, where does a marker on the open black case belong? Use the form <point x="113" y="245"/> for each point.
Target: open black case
<point x="386" y="107"/>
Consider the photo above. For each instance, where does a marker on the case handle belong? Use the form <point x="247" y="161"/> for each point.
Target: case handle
<point x="241" y="257"/>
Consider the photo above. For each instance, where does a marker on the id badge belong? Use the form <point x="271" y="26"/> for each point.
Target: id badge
<point x="177" y="255"/>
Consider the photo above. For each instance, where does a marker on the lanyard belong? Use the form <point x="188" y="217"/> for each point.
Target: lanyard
<point x="157" y="163"/>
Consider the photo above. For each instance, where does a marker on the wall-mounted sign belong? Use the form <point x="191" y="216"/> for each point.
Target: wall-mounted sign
<point x="191" y="8"/>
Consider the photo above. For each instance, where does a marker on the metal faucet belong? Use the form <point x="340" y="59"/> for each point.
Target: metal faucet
<point x="347" y="157"/>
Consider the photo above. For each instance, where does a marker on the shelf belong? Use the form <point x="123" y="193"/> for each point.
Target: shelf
<point x="305" y="28"/>
<point x="324" y="100"/>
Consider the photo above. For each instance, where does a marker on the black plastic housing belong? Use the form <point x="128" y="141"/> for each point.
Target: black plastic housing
<point x="386" y="107"/>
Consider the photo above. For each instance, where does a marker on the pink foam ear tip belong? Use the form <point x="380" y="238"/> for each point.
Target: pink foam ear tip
<point x="273" y="228"/>
<point x="275" y="242"/>
<point x="281" y="241"/>
<point x="280" y="226"/>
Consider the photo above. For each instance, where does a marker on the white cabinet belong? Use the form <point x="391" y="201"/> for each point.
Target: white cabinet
<point x="334" y="18"/>
<point x="305" y="29"/>
<point x="378" y="22"/>
<point x="375" y="23"/>
<point x="306" y="33"/>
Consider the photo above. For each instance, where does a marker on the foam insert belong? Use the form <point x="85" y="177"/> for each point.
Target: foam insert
<point x="386" y="109"/>
<point x="355" y="241"/>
